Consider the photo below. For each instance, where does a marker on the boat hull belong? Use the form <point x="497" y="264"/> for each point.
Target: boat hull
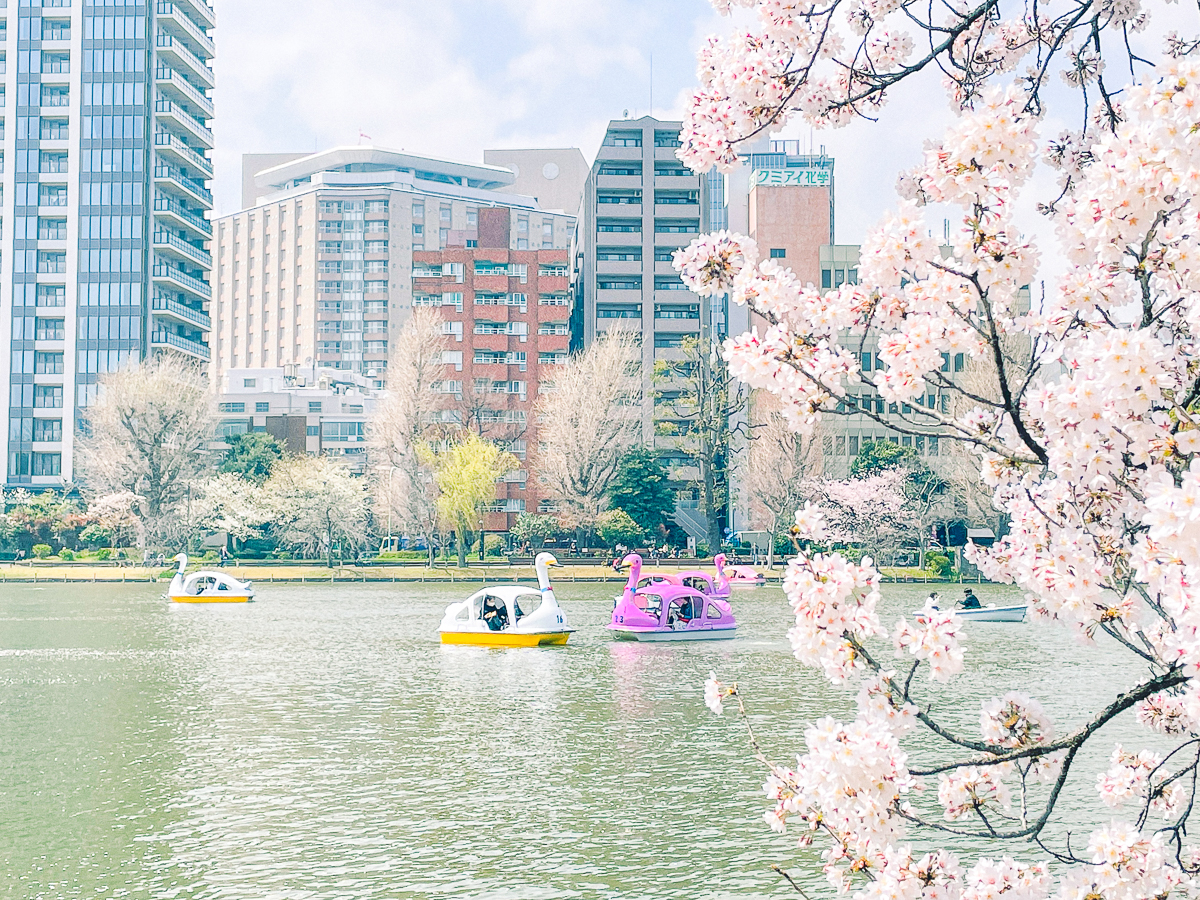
<point x="506" y="639"/>
<point x="990" y="614"/>
<point x="201" y="599"/>
<point x="662" y="635"/>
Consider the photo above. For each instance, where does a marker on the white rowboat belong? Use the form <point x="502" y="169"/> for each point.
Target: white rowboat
<point x="989" y="613"/>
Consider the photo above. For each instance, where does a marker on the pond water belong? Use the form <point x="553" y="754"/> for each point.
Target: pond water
<point x="321" y="743"/>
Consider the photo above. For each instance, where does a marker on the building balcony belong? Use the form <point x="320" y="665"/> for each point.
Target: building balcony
<point x="608" y="295"/>
<point x="173" y="245"/>
<point x="676" y="210"/>
<point x="176" y="20"/>
<point x="664" y="153"/>
<point x="172" y="114"/>
<point x="618" y="211"/>
<point x="618" y="181"/>
<point x="166" y="307"/>
<point x="176" y="54"/>
<point x="674" y="239"/>
<point x="199" y="11"/>
<point x="181" y="280"/>
<point x="619" y="238"/>
<point x="614" y="267"/>
<point x="622" y="153"/>
<point x="677" y="182"/>
<point x="172" y="150"/>
<point x="175" y="212"/>
<point x="177" y="342"/>
<point x="176" y="182"/>
<point x="176" y="87"/>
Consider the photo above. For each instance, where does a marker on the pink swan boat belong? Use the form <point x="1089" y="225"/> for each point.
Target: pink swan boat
<point x="745" y="576"/>
<point x="704" y="583"/>
<point x="664" y="611"/>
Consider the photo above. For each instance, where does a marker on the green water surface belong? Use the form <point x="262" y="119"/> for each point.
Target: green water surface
<point x="321" y="743"/>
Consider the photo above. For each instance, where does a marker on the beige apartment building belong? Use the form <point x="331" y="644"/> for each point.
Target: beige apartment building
<point x="318" y="271"/>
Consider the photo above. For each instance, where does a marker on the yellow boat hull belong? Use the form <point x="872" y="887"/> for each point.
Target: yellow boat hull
<point x="505" y="639"/>
<point x="230" y="599"/>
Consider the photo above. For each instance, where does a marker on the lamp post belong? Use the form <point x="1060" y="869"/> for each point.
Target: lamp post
<point x="391" y="471"/>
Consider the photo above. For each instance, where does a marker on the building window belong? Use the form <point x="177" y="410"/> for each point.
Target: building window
<point x="49" y="330"/>
<point x="826" y="278"/>
<point x="418" y="230"/>
<point x="47" y="396"/>
<point x="47" y="430"/>
<point x="312" y="430"/>
<point x="314" y="406"/>
<point x="778" y="253"/>
<point x="262" y="406"/>
<point x="47" y="464"/>
<point x="47" y="363"/>
<point x="249" y="382"/>
<point x="231" y="407"/>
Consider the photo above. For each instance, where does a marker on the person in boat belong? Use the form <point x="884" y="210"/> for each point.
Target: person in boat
<point x="970" y="601"/>
<point x="494" y="615"/>
<point x="932" y="599"/>
<point x="688" y="610"/>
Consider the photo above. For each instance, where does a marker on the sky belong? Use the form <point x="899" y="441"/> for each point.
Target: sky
<point x="455" y="77"/>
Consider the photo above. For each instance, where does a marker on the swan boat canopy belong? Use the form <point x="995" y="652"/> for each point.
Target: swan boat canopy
<point x="509" y="615"/>
<point x="669" y="612"/>
<point x="699" y="580"/>
<point x="207" y="587"/>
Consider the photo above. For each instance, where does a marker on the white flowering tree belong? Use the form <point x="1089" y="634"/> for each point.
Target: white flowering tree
<point x="1089" y="440"/>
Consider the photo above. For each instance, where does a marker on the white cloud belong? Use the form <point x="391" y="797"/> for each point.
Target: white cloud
<point x="450" y="78"/>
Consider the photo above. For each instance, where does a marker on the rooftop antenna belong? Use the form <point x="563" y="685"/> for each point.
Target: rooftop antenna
<point x="946" y="231"/>
<point x="652" y="84"/>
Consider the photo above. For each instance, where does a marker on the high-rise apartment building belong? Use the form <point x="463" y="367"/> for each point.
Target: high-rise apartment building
<point x="104" y="206"/>
<point x="325" y="268"/>
<point x="640" y="205"/>
<point x="320" y="271"/>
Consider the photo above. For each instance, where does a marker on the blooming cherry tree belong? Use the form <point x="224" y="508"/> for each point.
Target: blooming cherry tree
<point x="1089" y="438"/>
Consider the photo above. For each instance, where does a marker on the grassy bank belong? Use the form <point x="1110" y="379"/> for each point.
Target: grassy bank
<point x="314" y="572"/>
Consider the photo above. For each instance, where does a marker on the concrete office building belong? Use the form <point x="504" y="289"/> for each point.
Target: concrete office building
<point x="317" y="413"/>
<point x="104" y="210"/>
<point x="640" y="205"/>
<point x="325" y="268"/>
<point x="554" y="178"/>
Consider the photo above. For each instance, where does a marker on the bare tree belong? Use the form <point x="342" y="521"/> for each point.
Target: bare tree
<point x="586" y="424"/>
<point x="315" y="502"/>
<point x="404" y="423"/>
<point x="697" y="400"/>
<point x="145" y="437"/>
<point x="778" y="470"/>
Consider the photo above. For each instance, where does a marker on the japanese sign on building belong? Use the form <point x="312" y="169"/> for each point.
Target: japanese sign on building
<point x="796" y="177"/>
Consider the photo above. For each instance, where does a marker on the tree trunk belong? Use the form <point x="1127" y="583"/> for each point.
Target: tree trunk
<point x="329" y="546"/>
<point x="460" y="540"/>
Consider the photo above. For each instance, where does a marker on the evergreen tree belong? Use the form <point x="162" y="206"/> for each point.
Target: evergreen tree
<point x="643" y="488"/>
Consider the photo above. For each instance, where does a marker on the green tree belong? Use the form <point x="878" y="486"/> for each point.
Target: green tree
<point x="875" y="456"/>
<point x="617" y="527"/>
<point x="535" y="529"/>
<point x="643" y="489"/>
<point x="252" y="455"/>
<point x="466" y="478"/>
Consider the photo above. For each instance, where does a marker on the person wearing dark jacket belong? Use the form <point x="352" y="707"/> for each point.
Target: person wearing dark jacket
<point x="970" y="601"/>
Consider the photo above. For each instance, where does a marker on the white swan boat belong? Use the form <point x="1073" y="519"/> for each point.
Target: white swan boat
<point x="207" y="586"/>
<point x="989" y="613"/>
<point x="509" y="615"/>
